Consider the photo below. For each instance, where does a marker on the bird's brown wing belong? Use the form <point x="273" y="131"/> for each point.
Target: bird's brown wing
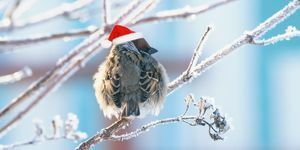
<point x="113" y="88"/>
<point x="149" y="80"/>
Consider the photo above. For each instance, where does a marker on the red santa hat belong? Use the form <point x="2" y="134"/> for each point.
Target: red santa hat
<point x="121" y="34"/>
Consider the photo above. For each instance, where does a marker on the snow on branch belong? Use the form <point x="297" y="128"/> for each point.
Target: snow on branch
<point x="16" y="76"/>
<point x="59" y="11"/>
<point x="128" y="10"/>
<point x="208" y="115"/>
<point x="290" y="32"/>
<point x="197" y="53"/>
<point x="9" y="45"/>
<point x="67" y="130"/>
<point x="181" y="13"/>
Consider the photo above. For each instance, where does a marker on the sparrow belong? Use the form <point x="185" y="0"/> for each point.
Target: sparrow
<point x="130" y="82"/>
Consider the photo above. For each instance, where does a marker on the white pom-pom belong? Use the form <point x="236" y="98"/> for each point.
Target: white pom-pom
<point x="106" y="44"/>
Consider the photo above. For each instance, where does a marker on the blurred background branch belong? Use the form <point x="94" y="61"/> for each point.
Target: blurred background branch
<point x="59" y="11"/>
<point x="16" y="76"/>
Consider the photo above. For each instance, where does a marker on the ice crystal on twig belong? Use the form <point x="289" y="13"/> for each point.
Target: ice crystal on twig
<point x="70" y="126"/>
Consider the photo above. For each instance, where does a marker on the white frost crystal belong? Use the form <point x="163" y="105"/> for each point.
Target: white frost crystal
<point x="71" y="124"/>
<point x="290" y="29"/>
<point x="39" y="128"/>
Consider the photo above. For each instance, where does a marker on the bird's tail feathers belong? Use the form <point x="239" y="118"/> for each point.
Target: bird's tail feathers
<point x="131" y="108"/>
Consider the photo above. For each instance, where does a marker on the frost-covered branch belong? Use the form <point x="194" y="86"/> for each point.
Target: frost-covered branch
<point x="16" y="76"/>
<point x="198" y="51"/>
<point x="146" y="6"/>
<point x="67" y="130"/>
<point x="208" y="115"/>
<point x="59" y="11"/>
<point x="289" y="33"/>
<point x="246" y="38"/>
<point x="128" y="10"/>
<point x="7" y="45"/>
<point x="182" y="13"/>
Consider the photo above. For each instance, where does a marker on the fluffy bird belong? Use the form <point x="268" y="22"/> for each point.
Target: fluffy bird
<point x="130" y="82"/>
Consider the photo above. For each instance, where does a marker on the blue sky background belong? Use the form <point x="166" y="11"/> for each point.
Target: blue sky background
<point x="257" y="86"/>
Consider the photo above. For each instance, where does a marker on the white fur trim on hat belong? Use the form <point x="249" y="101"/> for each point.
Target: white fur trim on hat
<point x="106" y="44"/>
<point x="128" y="37"/>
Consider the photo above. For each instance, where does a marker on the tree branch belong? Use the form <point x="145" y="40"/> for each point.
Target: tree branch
<point x="104" y="134"/>
<point x="198" y="51"/>
<point x="62" y="10"/>
<point x="127" y="11"/>
<point x="17" y="76"/>
<point x="290" y="33"/>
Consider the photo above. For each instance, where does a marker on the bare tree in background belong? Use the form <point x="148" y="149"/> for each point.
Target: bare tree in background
<point x="134" y="14"/>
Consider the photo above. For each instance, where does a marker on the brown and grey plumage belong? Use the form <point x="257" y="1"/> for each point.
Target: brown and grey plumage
<point x="130" y="83"/>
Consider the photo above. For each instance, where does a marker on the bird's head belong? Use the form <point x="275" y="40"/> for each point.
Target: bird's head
<point x="143" y="46"/>
<point x="139" y="46"/>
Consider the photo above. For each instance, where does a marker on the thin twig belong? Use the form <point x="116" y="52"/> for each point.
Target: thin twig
<point x="127" y="11"/>
<point x="17" y="76"/>
<point x="105" y="13"/>
<point x="198" y="51"/>
<point x="278" y="38"/>
<point x="150" y="125"/>
<point x="147" y="6"/>
<point x="59" y="11"/>
<point x="30" y="142"/>
<point x="8" y="45"/>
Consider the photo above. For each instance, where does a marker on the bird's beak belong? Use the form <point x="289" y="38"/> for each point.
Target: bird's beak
<point x="152" y="50"/>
